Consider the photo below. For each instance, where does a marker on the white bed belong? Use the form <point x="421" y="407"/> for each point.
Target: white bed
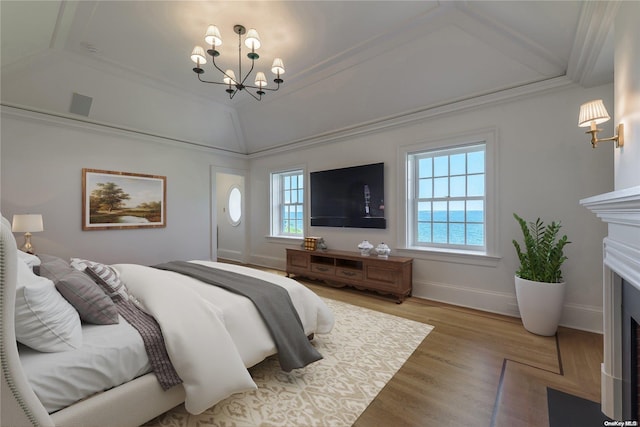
<point x="211" y="335"/>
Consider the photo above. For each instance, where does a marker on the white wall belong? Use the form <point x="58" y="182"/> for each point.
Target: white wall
<point x="41" y="162"/>
<point x="545" y="165"/>
<point x="627" y="94"/>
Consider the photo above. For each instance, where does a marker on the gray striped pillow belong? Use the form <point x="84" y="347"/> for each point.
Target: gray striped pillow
<point x="108" y="280"/>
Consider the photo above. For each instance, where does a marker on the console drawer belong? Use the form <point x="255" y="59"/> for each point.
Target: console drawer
<point x="349" y="273"/>
<point x="323" y="269"/>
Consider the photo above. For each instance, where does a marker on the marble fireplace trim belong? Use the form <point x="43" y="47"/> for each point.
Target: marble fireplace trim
<point x="621" y="260"/>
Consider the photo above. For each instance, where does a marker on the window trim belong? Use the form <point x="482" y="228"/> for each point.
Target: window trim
<point x="406" y="182"/>
<point x="275" y="233"/>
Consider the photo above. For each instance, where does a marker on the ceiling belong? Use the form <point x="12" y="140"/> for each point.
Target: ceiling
<point x="348" y="63"/>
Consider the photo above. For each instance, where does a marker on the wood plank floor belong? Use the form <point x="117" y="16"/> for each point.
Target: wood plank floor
<point x="476" y="368"/>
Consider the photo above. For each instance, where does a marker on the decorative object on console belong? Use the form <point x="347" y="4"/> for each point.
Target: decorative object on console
<point x="383" y="250"/>
<point x="593" y="113"/>
<point x="106" y="195"/>
<point x="365" y="248"/>
<point x="234" y="85"/>
<point x="27" y="223"/>
<point x="310" y="243"/>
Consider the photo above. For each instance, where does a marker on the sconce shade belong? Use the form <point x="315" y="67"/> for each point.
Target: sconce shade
<point x="212" y="37"/>
<point x="197" y="55"/>
<point x="27" y="223"/>
<point x="592" y="111"/>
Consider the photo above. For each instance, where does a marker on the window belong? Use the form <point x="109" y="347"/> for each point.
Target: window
<point x="234" y="206"/>
<point x="450" y="197"/>
<point x="287" y="203"/>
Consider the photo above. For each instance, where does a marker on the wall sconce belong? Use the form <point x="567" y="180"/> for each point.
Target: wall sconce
<point x="27" y="223"/>
<point x="592" y="114"/>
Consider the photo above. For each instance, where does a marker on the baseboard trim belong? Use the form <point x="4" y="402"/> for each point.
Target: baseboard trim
<point x="277" y="263"/>
<point x="230" y="255"/>
<point x="576" y="316"/>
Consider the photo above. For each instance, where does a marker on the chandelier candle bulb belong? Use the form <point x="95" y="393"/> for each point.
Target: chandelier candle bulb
<point x="253" y="40"/>
<point x="198" y="57"/>
<point x="277" y="67"/>
<point x="212" y="37"/>
<point x="230" y="77"/>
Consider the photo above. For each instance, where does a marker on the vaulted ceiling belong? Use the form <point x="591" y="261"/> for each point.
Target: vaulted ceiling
<point x="348" y="63"/>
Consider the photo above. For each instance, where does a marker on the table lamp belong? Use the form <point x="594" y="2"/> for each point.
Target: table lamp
<point x="27" y="223"/>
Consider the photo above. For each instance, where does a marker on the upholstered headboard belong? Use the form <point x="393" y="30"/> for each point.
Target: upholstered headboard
<point x="20" y="406"/>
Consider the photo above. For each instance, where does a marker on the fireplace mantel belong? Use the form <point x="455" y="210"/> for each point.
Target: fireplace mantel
<point x="621" y="260"/>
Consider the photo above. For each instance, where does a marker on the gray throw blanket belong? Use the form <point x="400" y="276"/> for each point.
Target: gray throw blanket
<point x="151" y="334"/>
<point x="272" y="302"/>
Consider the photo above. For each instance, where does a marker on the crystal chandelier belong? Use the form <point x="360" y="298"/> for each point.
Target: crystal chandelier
<point x="234" y="85"/>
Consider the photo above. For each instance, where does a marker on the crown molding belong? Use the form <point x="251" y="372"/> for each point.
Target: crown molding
<point x="595" y="23"/>
<point x="57" y="119"/>
<point x="428" y="112"/>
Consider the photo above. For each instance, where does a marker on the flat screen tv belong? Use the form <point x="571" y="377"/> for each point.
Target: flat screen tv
<point x="348" y="197"/>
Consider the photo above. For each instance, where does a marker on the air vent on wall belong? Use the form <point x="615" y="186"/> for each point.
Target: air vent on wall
<point x="80" y="104"/>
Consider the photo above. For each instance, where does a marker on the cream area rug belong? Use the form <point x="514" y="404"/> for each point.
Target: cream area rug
<point x="360" y="355"/>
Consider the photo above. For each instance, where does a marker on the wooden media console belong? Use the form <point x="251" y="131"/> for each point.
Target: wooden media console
<point x="390" y="275"/>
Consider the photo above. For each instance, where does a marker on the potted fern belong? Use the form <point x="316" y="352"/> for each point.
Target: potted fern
<point x="539" y="285"/>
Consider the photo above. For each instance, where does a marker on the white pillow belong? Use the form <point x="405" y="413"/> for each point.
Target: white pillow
<point x="29" y="259"/>
<point x="45" y="321"/>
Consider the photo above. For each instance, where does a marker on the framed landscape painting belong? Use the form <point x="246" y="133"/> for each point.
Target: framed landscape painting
<point x="122" y="200"/>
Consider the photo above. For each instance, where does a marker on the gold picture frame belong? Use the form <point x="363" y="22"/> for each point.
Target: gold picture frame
<point x="122" y="200"/>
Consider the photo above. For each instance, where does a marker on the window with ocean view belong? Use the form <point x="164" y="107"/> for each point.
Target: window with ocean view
<point x="287" y="203"/>
<point x="447" y="203"/>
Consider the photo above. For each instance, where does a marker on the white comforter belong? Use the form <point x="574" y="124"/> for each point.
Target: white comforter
<point x="212" y="335"/>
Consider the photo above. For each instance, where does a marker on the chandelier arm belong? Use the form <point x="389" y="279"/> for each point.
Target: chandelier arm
<point x="262" y="88"/>
<point x="248" y="74"/>
<point x="213" y="61"/>
<point x="208" y="81"/>
<point x="240" y="56"/>
<point x="254" y="97"/>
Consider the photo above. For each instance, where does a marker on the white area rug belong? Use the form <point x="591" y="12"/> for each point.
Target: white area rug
<point x="364" y="350"/>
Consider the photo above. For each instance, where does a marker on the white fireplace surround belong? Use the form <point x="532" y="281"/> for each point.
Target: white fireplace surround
<point x="621" y="260"/>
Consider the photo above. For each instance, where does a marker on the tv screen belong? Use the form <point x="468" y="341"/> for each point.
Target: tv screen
<point x="348" y="197"/>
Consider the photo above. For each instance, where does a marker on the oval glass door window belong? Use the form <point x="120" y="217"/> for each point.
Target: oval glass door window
<point x="234" y="208"/>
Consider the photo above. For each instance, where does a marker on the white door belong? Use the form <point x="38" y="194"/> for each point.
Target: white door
<point x="230" y="216"/>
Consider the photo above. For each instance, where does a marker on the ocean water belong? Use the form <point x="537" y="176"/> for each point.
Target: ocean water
<point x="433" y="227"/>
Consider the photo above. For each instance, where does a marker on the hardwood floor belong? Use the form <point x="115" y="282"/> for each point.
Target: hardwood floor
<point x="476" y="368"/>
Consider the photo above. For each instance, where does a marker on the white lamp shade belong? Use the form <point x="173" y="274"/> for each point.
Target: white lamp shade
<point x="252" y="41"/>
<point x="27" y="223"/>
<point x="229" y="77"/>
<point x="197" y="55"/>
<point x="592" y="111"/>
<point x="278" y="66"/>
<point x="261" y="79"/>
<point x="212" y="37"/>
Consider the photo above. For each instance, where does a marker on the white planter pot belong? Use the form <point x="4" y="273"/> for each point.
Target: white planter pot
<point x="540" y="305"/>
